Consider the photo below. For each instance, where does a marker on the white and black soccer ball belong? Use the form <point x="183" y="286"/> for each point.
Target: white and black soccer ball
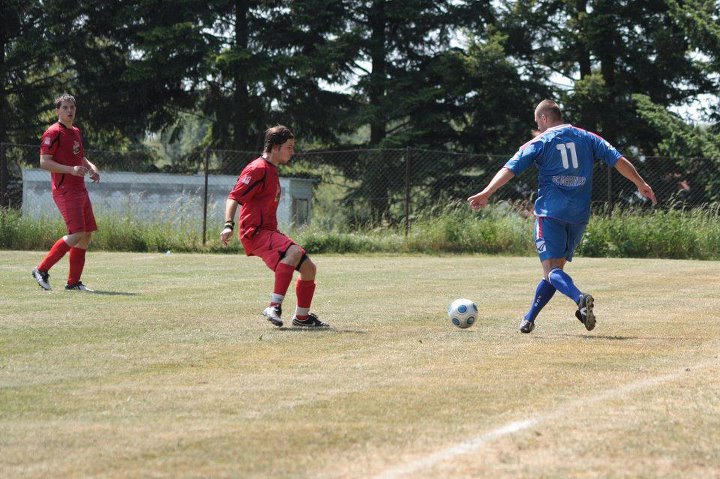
<point x="463" y="313"/>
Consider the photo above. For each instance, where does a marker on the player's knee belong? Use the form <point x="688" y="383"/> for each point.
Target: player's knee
<point x="293" y="255"/>
<point x="73" y="239"/>
<point x="308" y="270"/>
<point x="309" y="267"/>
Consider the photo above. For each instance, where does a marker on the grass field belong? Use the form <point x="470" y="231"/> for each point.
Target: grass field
<point x="169" y="371"/>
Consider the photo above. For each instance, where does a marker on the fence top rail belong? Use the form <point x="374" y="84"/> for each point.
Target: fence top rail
<point x="379" y="150"/>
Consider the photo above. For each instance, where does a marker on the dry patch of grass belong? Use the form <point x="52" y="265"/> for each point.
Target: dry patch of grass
<point x="169" y="371"/>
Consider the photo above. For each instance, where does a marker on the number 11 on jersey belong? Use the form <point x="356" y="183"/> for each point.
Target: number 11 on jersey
<point x="563" y="148"/>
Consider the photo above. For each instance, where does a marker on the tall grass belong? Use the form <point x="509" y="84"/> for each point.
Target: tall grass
<point x="453" y="228"/>
<point x="674" y="233"/>
<point x="114" y="234"/>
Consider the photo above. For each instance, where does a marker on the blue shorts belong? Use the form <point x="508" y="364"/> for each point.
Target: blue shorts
<point x="557" y="239"/>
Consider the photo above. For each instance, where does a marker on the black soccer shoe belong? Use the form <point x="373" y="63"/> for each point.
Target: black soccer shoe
<point x="311" y="322"/>
<point x="273" y="313"/>
<point x="585" y="313"/>
<point x="79" y="286"/>
<point x="526" y="326"/>
<point x="42" y="278"/>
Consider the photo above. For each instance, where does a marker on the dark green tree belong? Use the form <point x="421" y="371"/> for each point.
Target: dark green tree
<point x="603" y="52"/>
<point x="28" y="71"/>
<point x="686" y="161"/>
<point x="398" y="52"/>
<point x="133" y="64"/>
<point x="268" y="66"/>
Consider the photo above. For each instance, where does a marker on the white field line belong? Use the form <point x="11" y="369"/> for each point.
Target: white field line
<point x="517" y="426"/>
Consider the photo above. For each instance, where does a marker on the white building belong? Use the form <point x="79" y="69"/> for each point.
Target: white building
<point x="164" y="198"/>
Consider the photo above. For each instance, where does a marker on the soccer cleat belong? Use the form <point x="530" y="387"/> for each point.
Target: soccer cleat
<point x="311" y="322"/>
<point x="585" y="313"/>
<point x="273" y="313"/>
<point x="79" y="286"/>
<point x="526" y="326"/>
<point x="42" y="278"/>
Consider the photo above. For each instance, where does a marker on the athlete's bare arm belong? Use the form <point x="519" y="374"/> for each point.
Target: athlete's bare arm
<point x="47" y="163"/>
<point x="230" y="210"/>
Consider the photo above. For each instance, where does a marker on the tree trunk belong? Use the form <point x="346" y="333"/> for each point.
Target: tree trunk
<point x="240" y="97"/>
<point x="607" y="55"/>
<point x="3" y="127"/>
<point x="376" y="96"/>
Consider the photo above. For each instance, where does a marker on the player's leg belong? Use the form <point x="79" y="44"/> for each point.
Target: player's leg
<point x="85" y="215"/>
<point x="56" y="253"/>
<point x="283" y="277"/>
<point x="305" y="287"/>
<point x="281" y="255"/>
<point x="544" y="290"/>
<point x="543" y="293"/>
<point x="305" y="290"/>
<point x="77" y="213"/>
<point x="77" y="263"/>
<point x="553" y="268"/>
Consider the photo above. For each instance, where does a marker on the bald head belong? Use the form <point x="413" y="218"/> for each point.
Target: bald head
<point x="547" y="115"/>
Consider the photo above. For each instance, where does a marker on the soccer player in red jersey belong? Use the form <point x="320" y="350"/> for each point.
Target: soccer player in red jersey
<point x="62" y="153"/>
<point x="257" y="190"/>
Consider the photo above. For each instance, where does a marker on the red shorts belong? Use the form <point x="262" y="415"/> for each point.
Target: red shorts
<point x="271" y="246"/>
<point x="76" y="210"/>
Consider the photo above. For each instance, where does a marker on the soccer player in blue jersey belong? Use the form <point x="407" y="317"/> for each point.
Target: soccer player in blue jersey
<point x="564" y="156"/>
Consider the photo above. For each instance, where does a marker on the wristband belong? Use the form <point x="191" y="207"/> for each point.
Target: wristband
<point x="229" y="224"/>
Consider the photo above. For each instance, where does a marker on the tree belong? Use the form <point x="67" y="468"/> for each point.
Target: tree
<point x="604" y="52"/>
<point x="132" y="63"/>
<point x="683" y="157"/>
<point x="267" y="66"/>
<point x="27" y="72"/>
<point x="396" y="51"/>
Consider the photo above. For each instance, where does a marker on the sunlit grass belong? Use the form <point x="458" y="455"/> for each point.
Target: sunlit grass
<point x="170" y="371"/>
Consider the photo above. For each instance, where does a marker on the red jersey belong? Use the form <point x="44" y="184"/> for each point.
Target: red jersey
<point x="258" y="191"/>
<point x="66" y="147"/>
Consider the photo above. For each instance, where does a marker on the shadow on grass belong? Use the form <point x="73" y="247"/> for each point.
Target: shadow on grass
<point x="320" y="330"/>
<point x="114" y="293"/>
<point x="618" y="338"/>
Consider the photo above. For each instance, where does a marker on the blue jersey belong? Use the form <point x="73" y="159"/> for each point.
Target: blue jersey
<point x="564" y="156"/>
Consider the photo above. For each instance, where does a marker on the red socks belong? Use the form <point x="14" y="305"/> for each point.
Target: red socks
<point x="283" y="276"/>
<point x="59" y="249"/>
<point x="305" y="291"/>
<point x="77" y="263"/>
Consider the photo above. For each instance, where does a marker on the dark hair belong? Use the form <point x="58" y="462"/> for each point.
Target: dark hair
<point x="277" y="135"/>
<point x="550" y="109"/>
<point x="64" y="97"/>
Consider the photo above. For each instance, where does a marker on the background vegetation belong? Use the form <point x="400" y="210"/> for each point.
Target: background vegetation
<point x="502" y="229"/>
<point x="444" y="75"/>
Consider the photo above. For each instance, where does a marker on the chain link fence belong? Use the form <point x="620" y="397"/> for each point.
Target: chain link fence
<point x="349" y="189"/>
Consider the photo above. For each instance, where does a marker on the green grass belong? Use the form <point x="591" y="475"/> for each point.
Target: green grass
<point x="169" y="370"/>
<point x="450" y="228"/>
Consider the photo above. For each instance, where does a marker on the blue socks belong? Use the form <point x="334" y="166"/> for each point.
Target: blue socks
<point x="543" y="293"/>
<point x="564" y="283"/>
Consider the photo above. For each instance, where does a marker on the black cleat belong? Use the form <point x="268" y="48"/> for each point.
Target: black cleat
<point x="79" y="286"/>
<point x="526" y="326"/>
<point x="585" y="313"/>
<point x="273" y="313"/>
<point x="311" y="322"/>
<point x="42" y="278"/>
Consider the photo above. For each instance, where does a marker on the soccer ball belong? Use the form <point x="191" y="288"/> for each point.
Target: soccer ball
<point x="462" y="313"/>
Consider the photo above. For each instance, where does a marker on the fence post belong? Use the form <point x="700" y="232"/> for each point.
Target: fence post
<point x="407" y="190"/>
<point x="205" y="196"/>
<point x="610" y="190"/>
<point x="4" y="200"/>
